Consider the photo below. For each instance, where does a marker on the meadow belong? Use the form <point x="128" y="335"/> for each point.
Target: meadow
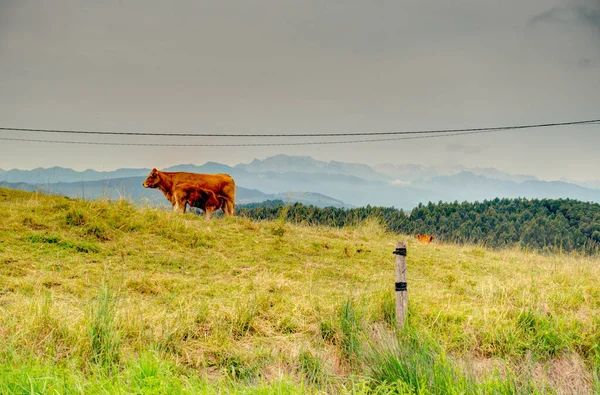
<point x="106" y="297"/>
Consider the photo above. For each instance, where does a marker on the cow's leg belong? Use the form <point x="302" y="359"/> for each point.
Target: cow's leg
<point x="179" y="207"/>
<point x="223" y="207"/>
<point x="229" y="208"/>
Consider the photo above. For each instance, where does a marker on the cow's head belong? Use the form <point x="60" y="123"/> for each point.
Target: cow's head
<point x="153" y="180"/>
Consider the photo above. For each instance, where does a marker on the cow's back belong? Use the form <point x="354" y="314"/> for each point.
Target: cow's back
<point x="215" y="182"/>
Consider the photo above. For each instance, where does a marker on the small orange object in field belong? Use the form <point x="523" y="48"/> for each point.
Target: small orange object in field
<point x="425" y="238"/>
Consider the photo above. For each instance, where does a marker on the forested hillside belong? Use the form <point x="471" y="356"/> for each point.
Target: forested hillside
<point x="547" y="224"/>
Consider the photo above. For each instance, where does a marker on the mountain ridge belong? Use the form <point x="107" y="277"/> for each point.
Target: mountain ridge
<point x="343" y="184"/>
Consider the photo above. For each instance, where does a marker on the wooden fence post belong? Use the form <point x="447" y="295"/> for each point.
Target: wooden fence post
<point x="401" y="290"/>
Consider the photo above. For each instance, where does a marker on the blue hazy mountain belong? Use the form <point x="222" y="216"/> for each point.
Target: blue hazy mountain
<point x="306" y="164"/>
<point x="303" y="179"/>
<point x="131" y="188"/>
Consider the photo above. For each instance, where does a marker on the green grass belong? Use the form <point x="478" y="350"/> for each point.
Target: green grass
<point x="101" y="297"/>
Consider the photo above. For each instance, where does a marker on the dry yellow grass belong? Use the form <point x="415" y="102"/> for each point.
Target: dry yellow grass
<point x="259" y="302"/>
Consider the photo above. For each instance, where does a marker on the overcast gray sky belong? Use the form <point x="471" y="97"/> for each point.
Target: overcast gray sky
<point x="292" y="66"/>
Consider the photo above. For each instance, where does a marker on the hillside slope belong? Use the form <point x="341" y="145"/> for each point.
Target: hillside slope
<point x="549" y="225"/>
<point x="99" y="297"/>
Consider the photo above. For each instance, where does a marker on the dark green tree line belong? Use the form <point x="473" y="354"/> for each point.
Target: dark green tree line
<point x="540" y="224"/>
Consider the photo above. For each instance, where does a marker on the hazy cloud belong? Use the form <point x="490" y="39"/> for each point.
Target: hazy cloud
<point x="554" y="14"/>
<point x="586" y="62"/>
<point x="589" y="15"/>
<point x="464" y="148"/>
<point x="585" y="12"/>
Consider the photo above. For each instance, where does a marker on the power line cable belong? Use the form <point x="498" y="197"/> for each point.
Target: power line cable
<point x="244" y="145"/>
<point x="433" y="131"/>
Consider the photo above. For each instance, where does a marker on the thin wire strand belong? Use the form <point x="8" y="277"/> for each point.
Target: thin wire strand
<point x="434" y="131"/>
<point x="244" y="145"/>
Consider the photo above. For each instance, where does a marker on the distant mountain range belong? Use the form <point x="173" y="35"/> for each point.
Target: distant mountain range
<point x="131" y="188"/>
<point x="308" y="181"/>
<point x="306" y="164"/>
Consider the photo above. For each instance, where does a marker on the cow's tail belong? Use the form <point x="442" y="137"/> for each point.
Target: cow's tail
<point x="231" y="203"/>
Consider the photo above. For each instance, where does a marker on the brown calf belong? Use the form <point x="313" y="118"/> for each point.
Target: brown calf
<point x="205" y="199"/>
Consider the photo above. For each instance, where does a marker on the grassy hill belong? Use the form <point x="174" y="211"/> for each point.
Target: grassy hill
<point x="100" y="297"/>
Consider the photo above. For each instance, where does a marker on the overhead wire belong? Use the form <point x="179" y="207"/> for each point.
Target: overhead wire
<point x="432" y="131"/>
<point x="242" y="144"/>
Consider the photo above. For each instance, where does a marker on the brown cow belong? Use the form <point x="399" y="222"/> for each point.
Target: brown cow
<point x="196" y="197"/>
<point x="221" y="184"/>
<point x="425" y="238"/>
